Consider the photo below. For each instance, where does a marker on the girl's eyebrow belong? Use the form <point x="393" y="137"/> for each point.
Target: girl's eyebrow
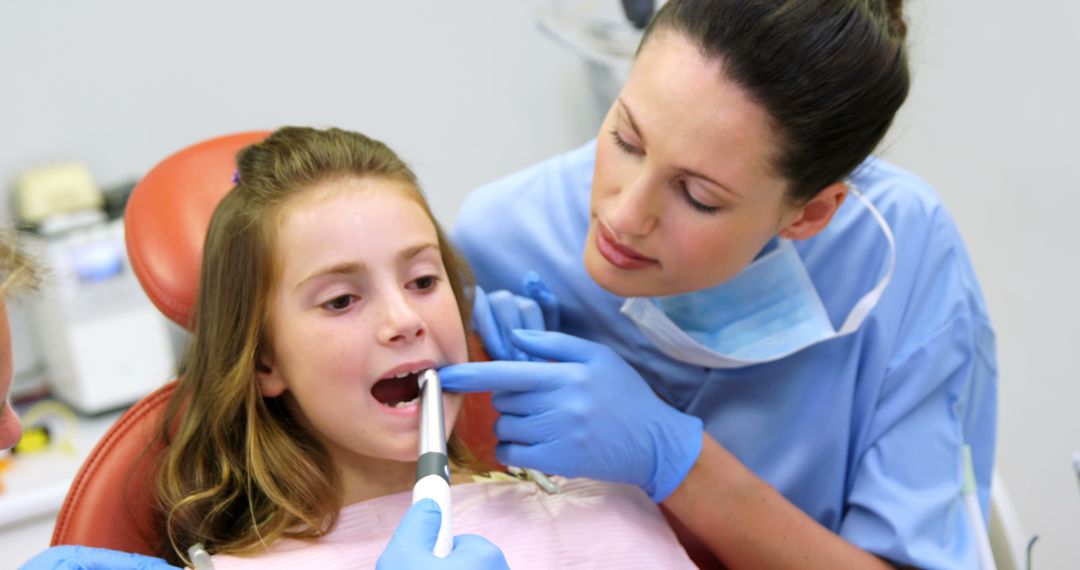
<point x="345" y="268"/>
<point x="356" y="267"/>
<point x="411" y="252"/>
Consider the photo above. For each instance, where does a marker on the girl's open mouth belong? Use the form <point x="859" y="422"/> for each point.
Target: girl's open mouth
<point x="398" y="391"/>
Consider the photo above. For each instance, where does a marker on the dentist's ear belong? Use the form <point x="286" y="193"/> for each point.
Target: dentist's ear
<point x="812" y="217"/>
<point x="271" y="384"/>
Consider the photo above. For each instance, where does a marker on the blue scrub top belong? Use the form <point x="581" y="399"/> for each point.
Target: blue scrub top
<point x="863" y="433"/>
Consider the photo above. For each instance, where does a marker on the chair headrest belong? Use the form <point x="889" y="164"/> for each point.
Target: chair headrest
<point x="167" y="216"/>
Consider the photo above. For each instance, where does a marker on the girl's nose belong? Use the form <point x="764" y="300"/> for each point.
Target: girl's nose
<point x="401" y="324"/>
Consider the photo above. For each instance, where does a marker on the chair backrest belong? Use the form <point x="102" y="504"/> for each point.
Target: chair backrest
<point x="110" y="504"/>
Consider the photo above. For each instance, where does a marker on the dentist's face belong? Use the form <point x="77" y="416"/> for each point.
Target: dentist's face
<point x="683" y="194"/>
<point x="361" y="305"/>
<point x="10" y="430"/>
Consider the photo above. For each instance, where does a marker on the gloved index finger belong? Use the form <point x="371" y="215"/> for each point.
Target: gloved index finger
<point x="502" y="376"/>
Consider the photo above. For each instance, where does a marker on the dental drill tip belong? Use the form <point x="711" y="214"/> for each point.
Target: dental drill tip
<point x="426" y="375"/>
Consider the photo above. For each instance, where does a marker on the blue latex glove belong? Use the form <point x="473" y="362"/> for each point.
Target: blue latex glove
<point x="495" y="314"/>
<point x="87" y="558"/>
<point x="414" y="539"/>
<point x="588" y="414"/>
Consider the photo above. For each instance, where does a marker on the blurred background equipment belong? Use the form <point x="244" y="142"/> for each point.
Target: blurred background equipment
<point x="101" y="342"/>
<point x="605" y="34"/>
<point x="42" y="193"/>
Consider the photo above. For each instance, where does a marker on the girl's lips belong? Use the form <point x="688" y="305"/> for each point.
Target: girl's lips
<point x="408" y="367"/>
<point x="617" y="254"/>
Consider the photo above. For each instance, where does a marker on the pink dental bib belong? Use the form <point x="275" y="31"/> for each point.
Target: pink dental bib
<point x="588" y="524"/>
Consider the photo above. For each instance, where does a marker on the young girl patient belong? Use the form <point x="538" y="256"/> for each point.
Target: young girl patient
<point x="326" y="287"/>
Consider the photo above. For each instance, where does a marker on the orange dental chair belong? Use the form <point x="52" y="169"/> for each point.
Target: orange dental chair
<point x="110" y="503"/>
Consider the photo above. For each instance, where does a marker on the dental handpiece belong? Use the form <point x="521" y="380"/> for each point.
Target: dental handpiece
<point x="432" y="465"/>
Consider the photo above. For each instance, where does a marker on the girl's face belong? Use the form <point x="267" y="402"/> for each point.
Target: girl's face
<point x="683" y="194"/>
<point x="362" y="304"/>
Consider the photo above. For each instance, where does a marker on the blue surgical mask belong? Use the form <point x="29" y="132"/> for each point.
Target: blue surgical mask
<point x="768" y="311"/>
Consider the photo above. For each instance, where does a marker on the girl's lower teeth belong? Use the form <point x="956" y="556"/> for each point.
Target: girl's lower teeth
<point x="406" y="404"/>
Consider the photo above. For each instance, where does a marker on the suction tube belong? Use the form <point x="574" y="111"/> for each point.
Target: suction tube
<point x="432" y="465"/>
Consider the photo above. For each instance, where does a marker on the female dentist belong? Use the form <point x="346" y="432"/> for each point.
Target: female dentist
<point x="776" y="336"/>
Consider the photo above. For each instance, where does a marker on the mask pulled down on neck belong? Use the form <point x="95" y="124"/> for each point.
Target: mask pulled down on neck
<point x="770" y="310"/>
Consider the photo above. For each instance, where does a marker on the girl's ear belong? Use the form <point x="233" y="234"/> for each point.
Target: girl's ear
<point x="814" y="215"/>
<point x="271" y="383"/>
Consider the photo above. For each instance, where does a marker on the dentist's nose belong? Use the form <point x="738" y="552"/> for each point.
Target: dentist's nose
<point x="401" y="324"/>
<point x="633" y="210"/>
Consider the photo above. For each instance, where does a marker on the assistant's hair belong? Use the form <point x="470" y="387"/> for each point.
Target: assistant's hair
<point x="239" y="472"/>
<point x="19" y="272"/>
<point x="830" y="73"/>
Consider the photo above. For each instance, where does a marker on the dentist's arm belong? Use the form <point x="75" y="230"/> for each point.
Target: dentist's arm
<point x="749" y="524"/>
<point x="590" y="414"/>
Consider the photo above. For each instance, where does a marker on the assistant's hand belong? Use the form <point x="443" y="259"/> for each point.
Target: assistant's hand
<point x="86" y="558"/>
<point x="588" y="414"/>
<point x="495" y="314"/>
<point x="414" y="539"/>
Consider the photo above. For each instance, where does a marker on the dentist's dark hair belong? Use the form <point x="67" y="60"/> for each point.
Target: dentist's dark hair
<point x="238" y="471"/>
<point x="831" y="74"/>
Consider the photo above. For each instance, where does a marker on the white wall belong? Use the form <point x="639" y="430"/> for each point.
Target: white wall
<point x="469" y="91"/>
<point x="993" y="122"/>
<point x="466" y="91"/>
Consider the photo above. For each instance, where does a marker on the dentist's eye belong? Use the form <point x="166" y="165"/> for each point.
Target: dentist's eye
<point x="339" y="303"/>
<point x="703" y="208"/>
<point x="625" y="146"/>
<point x="424" y="283"/>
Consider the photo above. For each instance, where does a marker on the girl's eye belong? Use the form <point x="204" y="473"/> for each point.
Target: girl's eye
<point x="425" y="283"/>
<point x="703" y="208"/>
<point x="625" y="146"/>
<point x="339" y="303"/>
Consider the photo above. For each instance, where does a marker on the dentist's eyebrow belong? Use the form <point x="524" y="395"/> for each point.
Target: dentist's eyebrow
<point x="723" y="187"/>
<point x="630" y="118"/>
<point x="686" y="171"/>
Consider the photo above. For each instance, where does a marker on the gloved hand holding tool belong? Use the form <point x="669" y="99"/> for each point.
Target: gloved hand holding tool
<point x="586" y="413"/>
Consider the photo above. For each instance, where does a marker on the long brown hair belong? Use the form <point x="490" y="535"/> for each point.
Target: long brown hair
<point x="239" y="473"/>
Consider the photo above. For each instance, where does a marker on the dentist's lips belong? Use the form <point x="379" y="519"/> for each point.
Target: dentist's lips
<point x="399" y="387"/>
<point x="618" y="254"/>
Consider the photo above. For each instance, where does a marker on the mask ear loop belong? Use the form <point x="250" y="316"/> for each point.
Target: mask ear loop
<point x="868" y="301"/>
